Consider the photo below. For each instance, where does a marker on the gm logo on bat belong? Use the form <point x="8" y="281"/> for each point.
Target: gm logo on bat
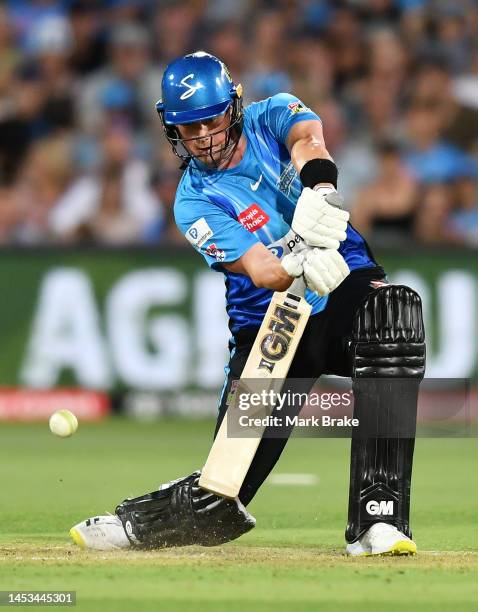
<point x="282" y="325"/>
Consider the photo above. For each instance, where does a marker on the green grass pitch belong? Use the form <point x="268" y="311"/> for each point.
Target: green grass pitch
<point x="294" y="558"/>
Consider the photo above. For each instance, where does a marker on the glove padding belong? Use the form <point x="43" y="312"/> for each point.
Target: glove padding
<point x="181" y="513"/>
<point x="324" y="270"/>
<point x="319" y="218"/>
<point x="293" y="264"/>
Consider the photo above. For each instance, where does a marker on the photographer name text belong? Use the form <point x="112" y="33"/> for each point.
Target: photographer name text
<point x="297" y="421"/>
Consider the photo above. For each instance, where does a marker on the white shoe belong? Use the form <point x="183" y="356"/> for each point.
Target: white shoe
<point x="101" y="533"/>
<point x="382" y="539"/>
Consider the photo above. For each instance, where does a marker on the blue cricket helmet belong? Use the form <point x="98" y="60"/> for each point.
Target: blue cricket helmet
<point x="196" y="87"/>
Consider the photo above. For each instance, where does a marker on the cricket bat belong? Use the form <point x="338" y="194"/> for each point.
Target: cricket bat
<point x="270" y="359"/>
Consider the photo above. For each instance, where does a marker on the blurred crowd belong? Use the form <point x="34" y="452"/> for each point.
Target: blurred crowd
<point x="83" y="157"/>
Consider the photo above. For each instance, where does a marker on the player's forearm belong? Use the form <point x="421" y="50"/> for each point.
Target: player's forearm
<point x="273" y="277"/>
<point x="306" y="149"/>
<point x="268" y="273"/>
<point x="263" y="268"/>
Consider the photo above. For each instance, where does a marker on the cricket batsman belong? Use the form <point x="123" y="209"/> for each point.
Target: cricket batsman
<point x="258" y="199"/>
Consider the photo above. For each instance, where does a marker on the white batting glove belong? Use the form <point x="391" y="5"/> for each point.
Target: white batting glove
<point x="324" y="270"/>
<point x="319" y="218"/>
<point x="292" y="264"/>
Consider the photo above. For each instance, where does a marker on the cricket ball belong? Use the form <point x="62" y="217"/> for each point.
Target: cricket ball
<point x="63" y="423"/>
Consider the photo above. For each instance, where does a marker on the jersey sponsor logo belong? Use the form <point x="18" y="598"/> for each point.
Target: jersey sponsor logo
<point x="213" y="251"/>
<point x="253" y="218"/>
<point x="297" y="107"/>
<point x="191" y="89"/>
<point x="382" y="508"/>
<point x="199" y="232"/>
<point x="276" y="250"/>
<point x="255" y="186"/>
<point x="293" y="242"/>
<point x="286" y="244"/>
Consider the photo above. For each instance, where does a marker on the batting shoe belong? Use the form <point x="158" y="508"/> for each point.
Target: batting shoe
<point x="100" y="533"/>
<point x="382" y="539"/>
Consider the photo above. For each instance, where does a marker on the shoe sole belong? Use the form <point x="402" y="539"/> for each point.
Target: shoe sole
<point x="402" y="548"/>
<point x="77" y="538"/>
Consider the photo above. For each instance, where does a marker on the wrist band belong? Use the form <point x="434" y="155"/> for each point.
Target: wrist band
<point x="318" y="171"/>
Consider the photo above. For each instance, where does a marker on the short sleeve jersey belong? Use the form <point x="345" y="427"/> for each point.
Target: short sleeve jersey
<point x="223" y="213"/>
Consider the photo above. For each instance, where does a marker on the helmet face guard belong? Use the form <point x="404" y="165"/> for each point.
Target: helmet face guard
<point x="213" y="157"/>
<point x="196" y="88"/>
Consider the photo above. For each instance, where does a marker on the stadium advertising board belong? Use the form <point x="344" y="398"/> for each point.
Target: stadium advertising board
<point x="137" y="321"/>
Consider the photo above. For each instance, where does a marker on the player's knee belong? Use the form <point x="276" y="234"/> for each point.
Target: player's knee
<point x="388" y="337"/>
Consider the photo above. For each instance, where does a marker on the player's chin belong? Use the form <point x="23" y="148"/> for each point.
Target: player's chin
<point x="214" y="159"/>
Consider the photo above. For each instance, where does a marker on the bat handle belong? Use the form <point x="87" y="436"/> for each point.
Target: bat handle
<point x="297" y="287"/>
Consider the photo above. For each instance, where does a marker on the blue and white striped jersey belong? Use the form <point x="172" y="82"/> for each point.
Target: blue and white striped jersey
<point x="222" y="213"/>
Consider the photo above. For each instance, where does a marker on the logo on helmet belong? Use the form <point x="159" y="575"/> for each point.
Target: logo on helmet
<point x="191" y="89"/>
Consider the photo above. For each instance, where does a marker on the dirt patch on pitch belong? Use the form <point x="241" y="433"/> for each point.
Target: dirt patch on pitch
<point x="226" y="555"/>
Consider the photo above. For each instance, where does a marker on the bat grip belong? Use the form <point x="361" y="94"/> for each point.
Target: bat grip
<point x="297" y="287"/>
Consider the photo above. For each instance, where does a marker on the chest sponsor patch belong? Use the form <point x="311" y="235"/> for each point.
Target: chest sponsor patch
<point x="253" y="218"/>
<point x="199" y="232"/>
